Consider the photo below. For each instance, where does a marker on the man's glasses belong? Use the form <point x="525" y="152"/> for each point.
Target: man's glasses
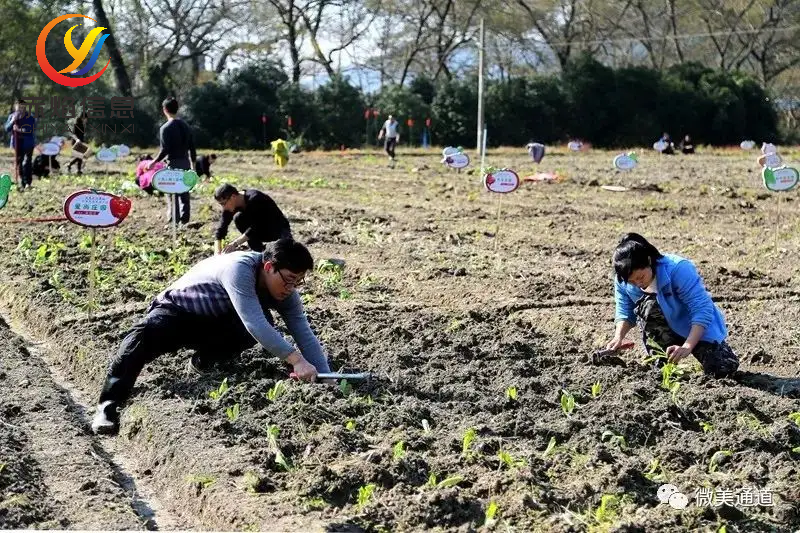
<point x="291" y="284"/>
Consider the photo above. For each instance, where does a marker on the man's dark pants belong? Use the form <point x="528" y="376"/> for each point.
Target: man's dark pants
<point x="167" y="329"/>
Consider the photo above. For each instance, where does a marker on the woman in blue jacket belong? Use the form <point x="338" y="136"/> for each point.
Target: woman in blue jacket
<point x="666" y="296"/>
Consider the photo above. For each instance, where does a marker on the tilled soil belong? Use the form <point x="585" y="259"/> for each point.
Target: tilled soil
<point x="471" y="333"/>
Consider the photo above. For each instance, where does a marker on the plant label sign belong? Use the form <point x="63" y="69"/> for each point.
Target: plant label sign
<point x="174" y="181"/>
<point x="96" y="209"/>
<point x="57" y="140"/>
<point x="747" y="145"/>
<point x="625" y="161"/>
<point x="50" y="149"/>
<point x="768" y="148"/>
<point x="5" y="189"/>
<point x="123" y="150"/>
<point x="780" y="179"/>
<point x="106" y="155"/>
<point x="459" y="160"/>
<point x="659" y="145"/>
<point x="770" y="160"/>
<point x="575" y="146"/>
<point x="451" y="150"/>
<point x="501" y="181"/>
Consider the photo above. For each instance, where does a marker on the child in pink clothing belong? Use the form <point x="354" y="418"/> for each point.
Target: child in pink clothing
<point x="145" y="177"/>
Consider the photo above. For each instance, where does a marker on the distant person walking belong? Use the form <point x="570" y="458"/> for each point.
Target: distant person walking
<point x="177" y="145"/>
<point x="389" y="130"/>
<point x="79" y="136"/>
<point x="22" y="126"/>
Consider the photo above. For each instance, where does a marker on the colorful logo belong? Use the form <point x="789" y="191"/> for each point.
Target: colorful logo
<point x="78" y="54"/>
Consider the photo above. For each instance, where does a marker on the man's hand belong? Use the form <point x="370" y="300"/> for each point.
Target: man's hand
<point x="302" y="368"/>
<point x="232" y="246"/>
<point x="676" y="353"/>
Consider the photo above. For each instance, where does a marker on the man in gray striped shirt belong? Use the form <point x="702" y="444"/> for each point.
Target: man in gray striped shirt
<point x="219" y="308"/>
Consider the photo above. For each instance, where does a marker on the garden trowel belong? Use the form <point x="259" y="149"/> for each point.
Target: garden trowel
<point x="608" y="355"/>
<point x="363" y="376"/>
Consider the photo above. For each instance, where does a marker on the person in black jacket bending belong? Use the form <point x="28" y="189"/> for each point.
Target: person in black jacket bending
<point x="256" y="216"/>
<point x="177" y="145"/>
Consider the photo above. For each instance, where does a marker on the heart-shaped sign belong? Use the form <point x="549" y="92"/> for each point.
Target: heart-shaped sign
<point x="502" y="181"/>
<point x="5" y="189"/>
<point x="451" y="150"/>
<point x="659" y="145"/>
<point x="460" y="160"/>
<point x="780" y="179"/>
<point x="120" y="207"/>
<point x="190" y="178"/>
<point x="57" y="140"/>
<point x="174" y="181"/>
<point x="96" y="209"/>
<point x="625" y="161"/>
<point x="747" y="145"/>
<point x="123" y="150"/>
<point x="770" y="160"/>
<point x="106" y="155"/>
<point x="49" y="149"/>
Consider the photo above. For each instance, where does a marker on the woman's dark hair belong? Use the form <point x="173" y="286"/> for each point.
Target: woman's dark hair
<point x="633" y="252"/>
<point x="170" y="103"/>
<point x="289" y="254"/>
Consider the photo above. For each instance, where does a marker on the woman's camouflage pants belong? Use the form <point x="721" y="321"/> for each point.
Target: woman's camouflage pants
<point x="717" y="358"/>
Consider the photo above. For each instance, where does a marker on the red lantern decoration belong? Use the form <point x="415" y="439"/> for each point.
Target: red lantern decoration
<point x="428" y="122"/>
<point x="375" y="113"/>
<point x="410" y="123"/>
<point x="263" y="119"/>
<point x="366" y="114"/>
<point x="290" y="122"/>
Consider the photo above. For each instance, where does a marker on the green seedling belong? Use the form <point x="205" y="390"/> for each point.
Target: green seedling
<point x="509" y="460"/>
<point x="345" y="388"/>
<point x="431" y="480"/>
<point x="613" y="439"/>
<point x="511" y="393"/>
<point x="233" y="413"/>
<point x="451" y="481"/>
<point x="656" y="471"/>
<point x="657" y="352"/>
<point x="717" y="459"/>
<point x="796" y="449"/>
<point x="2" y="467"/>
<point x="466" y="443"/>
<point x="551" y="446"/>
<point x="596" y="388"/>
<point x="607" y="513"/>
<point x="399" y="450"/>
<point x="670" y="373"/>
<point x="365" y="495"/>
<point x="220" y="391"/>
<point x="567" y="402"/>
<point x="749" y="421"/>
<point x="351" y="425"/>
<point x="272" y="436"/>
<point x="795" y="417"/>
<point x="491" y="512"/>
<point x="707" y="427"/>
<point x="276" y="391"/>
<point x="204" y="480"/>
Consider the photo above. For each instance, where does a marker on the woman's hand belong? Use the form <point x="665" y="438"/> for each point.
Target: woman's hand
<point x="615" y="344"/>
<point x="676" y="353"/>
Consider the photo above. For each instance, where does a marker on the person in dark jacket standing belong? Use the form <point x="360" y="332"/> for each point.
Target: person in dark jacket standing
<point x="79" y="133"/>
<point x="177" y="145"/>
<point x="22" y="126"/>
<point x="255" y="214"/>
